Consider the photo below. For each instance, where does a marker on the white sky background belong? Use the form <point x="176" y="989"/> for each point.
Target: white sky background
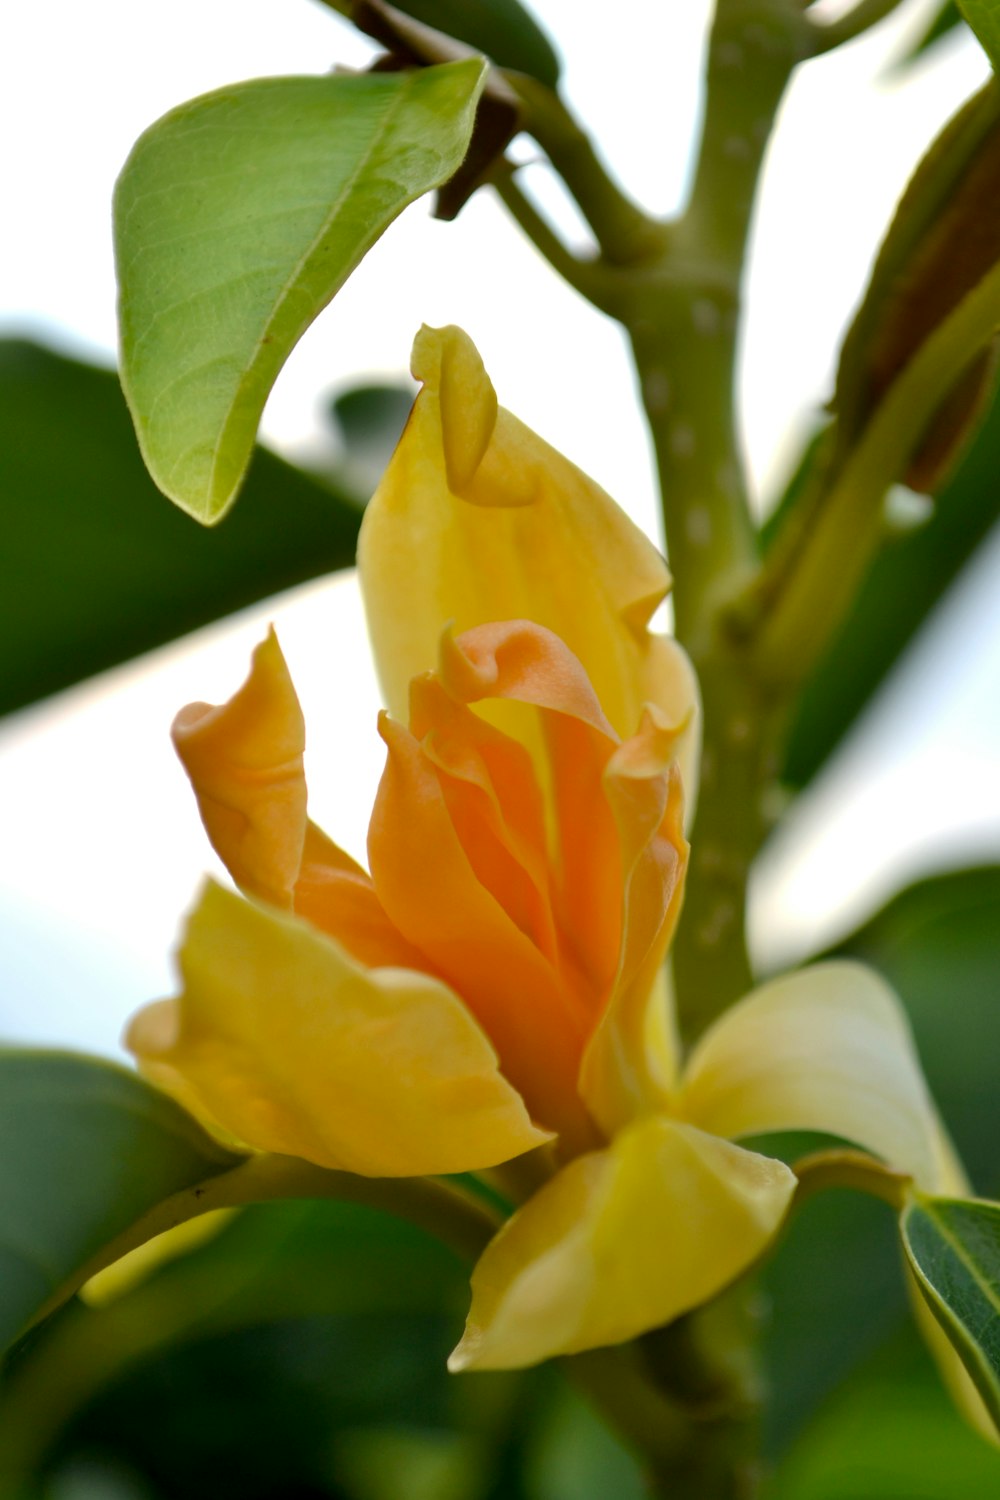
<point x="100" y="846"/>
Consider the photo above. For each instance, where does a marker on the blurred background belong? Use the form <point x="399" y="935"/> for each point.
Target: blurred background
<point x="101" y="849"/>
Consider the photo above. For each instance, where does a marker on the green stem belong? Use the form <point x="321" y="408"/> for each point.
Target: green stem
<point x="865" y="15"/>
<point x="683" y="317"/>
<point x="459" y="1220"/>
<point x="687" y="1398"/>
<point x="625" y="233"/>
<point x="586" y="277"/>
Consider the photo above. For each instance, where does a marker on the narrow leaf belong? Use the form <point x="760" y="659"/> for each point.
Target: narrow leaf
<point x="953" y="1247"/>
<point x="86" y="1148"/>
<point x="944" y="238"/>
<point x="237" y="218"/>
<point x="984" y="18"/>
<point x="94" y="568"/>
<point x="906" y="580"/>
<point x="946" y="19"/>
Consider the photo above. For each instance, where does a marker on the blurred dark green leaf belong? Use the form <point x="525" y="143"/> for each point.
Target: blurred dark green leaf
<point x="238" y="216"/>
<point x="905" y="582"/>
<point x="96" y="566"/>
<point x="503" y="29"/>
<point x="941" y="24"/>
<point x="574" y="1457"/>
<point x="834" y="1291"/>
<point x="300" y="1351"/>
<point x="891" y="1433"/>
<point x="369" y="420"/>
<point x="953" y="1248"/>
<point x="85" y="1149"/>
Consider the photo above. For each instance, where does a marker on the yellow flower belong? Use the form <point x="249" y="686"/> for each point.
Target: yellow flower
<point x="496" y="982"/>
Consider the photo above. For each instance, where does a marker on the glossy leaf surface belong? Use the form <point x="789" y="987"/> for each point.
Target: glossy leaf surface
<point x="86" y="1148"/>
<point x="95" y="567"/>
<point x="953" y="1248"/>
<point x="238" y="216"/>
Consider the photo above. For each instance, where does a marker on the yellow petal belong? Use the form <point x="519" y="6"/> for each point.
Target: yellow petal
<point x="292" y="1046"/>
<point x="827" y="1048"/>
<point x="244" y="759"/>
<point x="506" y="528"/>
<point x="621" y="1241"/>
<point x="135" y="1267"/>
<point x="630" y="1066"/>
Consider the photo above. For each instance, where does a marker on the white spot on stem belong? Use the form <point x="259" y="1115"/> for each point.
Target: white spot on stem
<point x="705" y="316"/>
<point x="681" y="440"/>
<point x="698" y="526"/>
<point x="656" y="390"/>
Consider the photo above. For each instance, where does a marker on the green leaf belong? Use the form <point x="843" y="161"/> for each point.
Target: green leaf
<point x="984" y="18"/>
<point x="237" y="218"/>
<point x="904" y="583"/>
<point x="502" y="29"/>
<point x="944" y="21"/>
<point x="95" y="568"/>
<point x="943" y="239"/>
<point x="834" y="1292"/>
<point x="312" y="1320"/>
<point x="953" y="1247"/>
<point x="86" y="1149"/>
<point x="916" y="372"/>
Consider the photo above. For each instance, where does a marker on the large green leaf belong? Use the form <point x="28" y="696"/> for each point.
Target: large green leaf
<point x="237" y="218"/>
<point x="953" y="1247"/>
<point x="984" y="18"/>
<point x="904" y="583"/>
<point x="86" y="1149"/>
<point x="94" y="567"/>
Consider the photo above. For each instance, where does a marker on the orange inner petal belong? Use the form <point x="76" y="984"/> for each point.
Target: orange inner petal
<point x="336" y="895"/>
<point x="495" y="804"/>
<point x="428" y="887"/>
